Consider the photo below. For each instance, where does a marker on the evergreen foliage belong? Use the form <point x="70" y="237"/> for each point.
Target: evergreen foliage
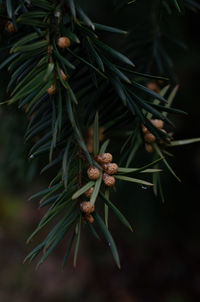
<point x="73" y="86"/>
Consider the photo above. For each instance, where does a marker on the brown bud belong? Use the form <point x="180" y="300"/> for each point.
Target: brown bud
<point x="144" y="129"/>
<point x="89" y="218"/>
<point x="104" y="158"/>
<point x="63" y="42"/>
<point x="89" y="192"/>
<point x="63" y="75"/>
<point x="51" y="90"/>
<point x="149" y="148"/>
<point x="10" y="27"/>
<point x="158" y="123"/>
<point x="110" y="168"/>
<point x="93" y="173"/>
<point x="86" y="207"/>
<point x="149" y="138"/>
<point x="153" y="86"/>
<point x="108" y="180"/>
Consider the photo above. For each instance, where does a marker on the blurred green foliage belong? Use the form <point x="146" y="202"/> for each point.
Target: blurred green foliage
<point x="163" y="251"/>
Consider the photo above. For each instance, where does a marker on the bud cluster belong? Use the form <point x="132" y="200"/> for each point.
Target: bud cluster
<point x="149" y="137"/>
<point x="109" y="168"/>
<point x="86" y="210"/>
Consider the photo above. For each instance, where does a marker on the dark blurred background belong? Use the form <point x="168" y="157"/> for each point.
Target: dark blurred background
<point x="160" y="260"/>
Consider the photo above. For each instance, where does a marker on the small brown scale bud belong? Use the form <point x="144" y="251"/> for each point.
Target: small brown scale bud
<point x="149" y="148"/>
<point x="158" y="123"/>
<point x="10" y="27"/>
<point x="89" y="218"/>
<point x="144" y="129"/>
<point x="104" y="158"/>
<point x="149" y="138"/>
<point x="51" y="90"/>
<point x="63" y="42"/>
<point x="86" y="207"/>
<point x="110" y="168"/>
<point x="153" y="86"/>
<point x="93" y="173"/>
<point x="89" y="192"/>
<point x="63" y="75"/>
<point x="108" y="180"/>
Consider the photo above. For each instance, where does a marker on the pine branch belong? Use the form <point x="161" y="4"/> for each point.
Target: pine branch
<point x="77" y="92"/>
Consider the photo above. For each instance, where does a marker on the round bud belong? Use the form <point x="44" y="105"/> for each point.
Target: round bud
<point x="149" y="138"/>
<point x="108" y="180"/>
<point x="10" y="27"/>
<point x="153" y="86"/>
<point x="111" y="168"/>
<point x="149" y="148"/>
<point x="63" y="42"/>
<point x="158" y="123"/>
<point x="144" y="129"/>
<point x="104" y="158"/>
<point x="86" y="207"/>
<point x="89" y="218"/>
<point x="51" y="90"/>
<point x="63" y="75"/>
<point x="89" y="192"/>
<point x="93" y="173"/>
